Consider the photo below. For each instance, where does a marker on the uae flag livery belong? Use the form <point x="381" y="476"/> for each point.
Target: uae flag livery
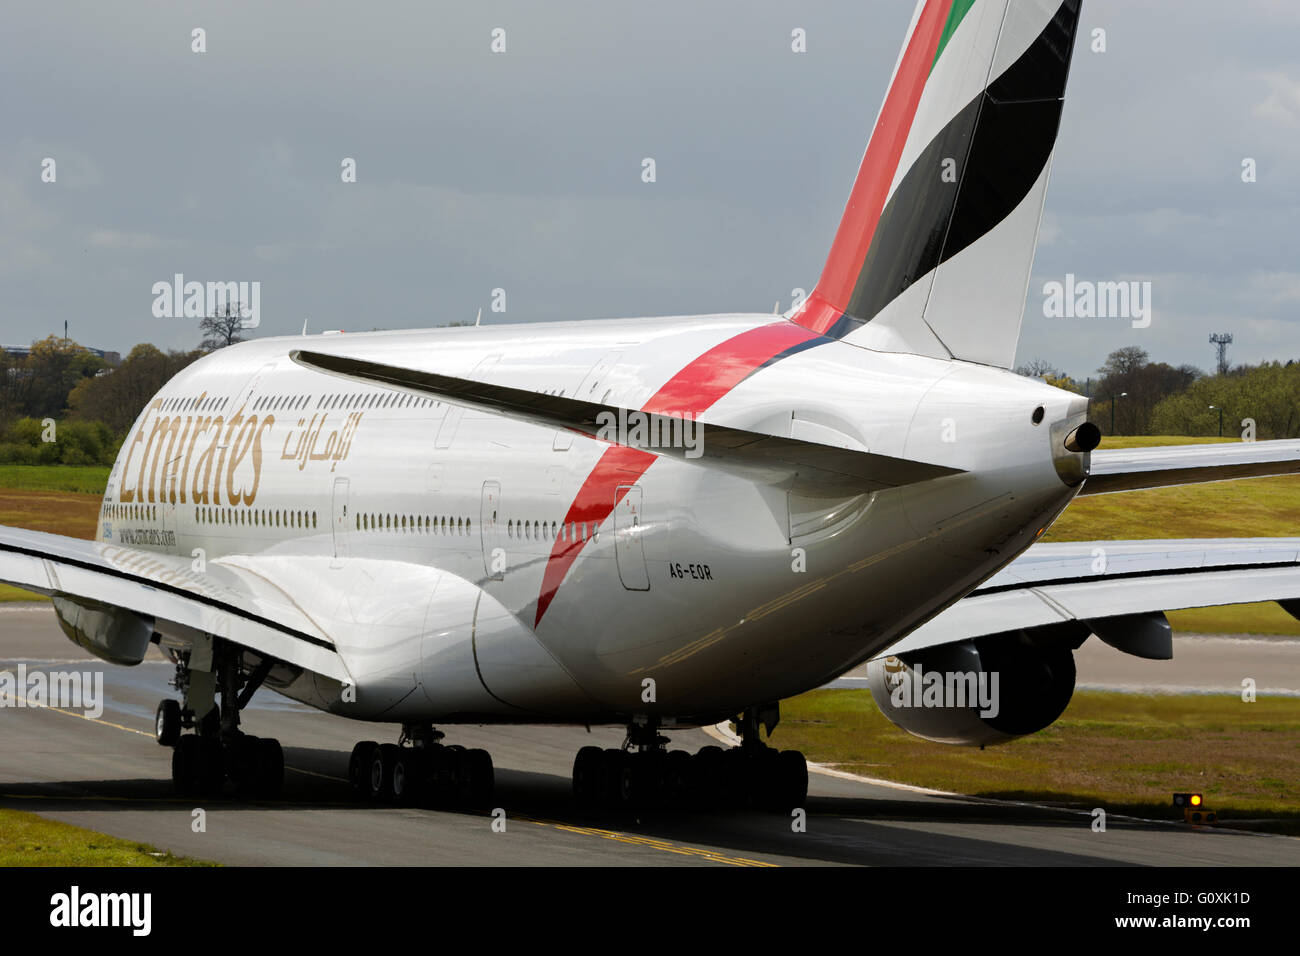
<point x="935" y="246"/>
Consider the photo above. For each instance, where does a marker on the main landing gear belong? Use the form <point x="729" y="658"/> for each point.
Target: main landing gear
<point x="644" y="774"/>
<point x="419" y="770"/>
<point x="217" y="750"/>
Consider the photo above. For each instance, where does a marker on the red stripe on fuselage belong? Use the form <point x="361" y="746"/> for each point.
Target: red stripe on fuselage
<point x="687" y="394"/>
<point x="879" y="164"/>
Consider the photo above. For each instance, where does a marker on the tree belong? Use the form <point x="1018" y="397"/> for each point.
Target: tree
<point x="1269" y="394"/>
<point x="117" y="397"/>
<point x="222" y="328"/>
<point x="1131" y="386"/>
<point x="1049" y="373"/>
<point x="1062" y="381"/>
<point x="1038" y="368"/>
<point x="1123" y="362"/>
<point x="53" y="366"/>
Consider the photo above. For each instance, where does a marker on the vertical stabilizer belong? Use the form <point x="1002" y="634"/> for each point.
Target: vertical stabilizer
<point x="935" y="247"/>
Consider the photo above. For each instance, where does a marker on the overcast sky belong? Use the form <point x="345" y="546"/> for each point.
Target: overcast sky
<point x="522" y="170"/>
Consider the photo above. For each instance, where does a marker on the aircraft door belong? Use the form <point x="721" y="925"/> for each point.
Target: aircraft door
<point x="340" y="524"/>
<point x="629" y="551"/>
<point x="494" y="554"/>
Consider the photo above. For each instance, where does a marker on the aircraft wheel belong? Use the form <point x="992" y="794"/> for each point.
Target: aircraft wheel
<point x="587" y="777"/>
<point x="444" y="775"/>
<point x="613" y="763"/>
<point x="408" y="773"/>
<point x="679" y="779"/>
<point x="167" y="723"/>
<point x="710" y="771"/>
<point x="212" y="767"/>
<point x="477" y="779"/>
<point x="270" y="767"/>
<point x="359" y="767"/>
<point x="792" y="777"/>
<point x="381" y="773"/>
<point x="185" y="766"/>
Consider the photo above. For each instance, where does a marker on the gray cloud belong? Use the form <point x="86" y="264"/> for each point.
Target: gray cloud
<point x="522" y="170"/>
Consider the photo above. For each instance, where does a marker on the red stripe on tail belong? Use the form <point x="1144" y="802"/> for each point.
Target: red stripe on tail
<point x="871" y="188"/>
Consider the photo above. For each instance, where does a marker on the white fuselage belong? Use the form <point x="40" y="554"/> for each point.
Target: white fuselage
<point x="422" y="536"/>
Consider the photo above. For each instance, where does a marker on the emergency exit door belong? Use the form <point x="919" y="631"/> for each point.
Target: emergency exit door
<point x="629" y="550"/>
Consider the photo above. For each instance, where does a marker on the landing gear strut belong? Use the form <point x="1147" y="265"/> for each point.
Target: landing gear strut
<point x="758" y="775"/>
<point x="217" y="750"/>
<point x="645" y="774"/>
<point x="420" y="770"/>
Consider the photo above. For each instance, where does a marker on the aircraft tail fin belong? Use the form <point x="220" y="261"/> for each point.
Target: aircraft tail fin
<point x="936" y="243"/>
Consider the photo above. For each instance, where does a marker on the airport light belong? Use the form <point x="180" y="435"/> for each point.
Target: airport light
<point x="1220" y="408"/>
<point x="1112" y="410"/>
<point x="1194" y="808"/>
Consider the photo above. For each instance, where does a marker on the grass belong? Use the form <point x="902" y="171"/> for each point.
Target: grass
<point x="1253" y="508"/>
<point x="83" y="479"/>
<point x="1265" y="618"/>
<point x="30" y="840"/>
<point x="1244" y="757"/>
<point x="58" y="512"/>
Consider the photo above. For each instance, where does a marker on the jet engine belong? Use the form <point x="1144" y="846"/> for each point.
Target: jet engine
<point x="982" y="691"/>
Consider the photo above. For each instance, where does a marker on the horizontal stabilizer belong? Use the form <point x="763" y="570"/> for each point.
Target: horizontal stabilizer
<point x="1131" y="469"/>
<point x="807" y="467"/>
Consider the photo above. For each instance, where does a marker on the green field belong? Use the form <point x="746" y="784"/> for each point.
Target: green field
<point x="85" y="479"/>
<point x="30" y="840"/>
<point x="1244" y="757"/>
<point x="1253" y="508"/>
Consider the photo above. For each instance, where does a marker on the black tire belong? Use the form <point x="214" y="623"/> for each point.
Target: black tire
<point x="679" y="780"/>
<point x="359" y="767"/>
<point x="381" y="773"/>
<point x="270" y="767"/>
<point x="408" y="775"/>
<point x="737" y="789"/>
<point x="588" y="775"/>
<point x="792" y="777"/>
<point x="241" y="764"/>
<point x="212" y="767"/>
<point x="611" y="777"/>
<point x="710" y="773"/>
<point x="167" y="723"/>
<point x="648" y="780"/>
<point x="479" y="779"/>
<point x="185" y="766"/>
<point x="444" y="776"/>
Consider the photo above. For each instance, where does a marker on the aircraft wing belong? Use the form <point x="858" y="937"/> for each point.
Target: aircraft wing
<point x="1117" y="587"/>
<point x="88" y="579"/>
<point x="1129" y="469"/>
<point x="811" y="468"/>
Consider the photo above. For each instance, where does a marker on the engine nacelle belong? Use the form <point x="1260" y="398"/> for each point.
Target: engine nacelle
<point x="110" y="633"/>
<point x="978" y="692"/>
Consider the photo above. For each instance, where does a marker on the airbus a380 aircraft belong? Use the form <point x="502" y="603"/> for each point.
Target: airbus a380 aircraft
<point x="661" y="522"/>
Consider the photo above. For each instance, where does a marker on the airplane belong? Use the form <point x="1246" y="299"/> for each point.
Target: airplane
<point x="661" y="523"/>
